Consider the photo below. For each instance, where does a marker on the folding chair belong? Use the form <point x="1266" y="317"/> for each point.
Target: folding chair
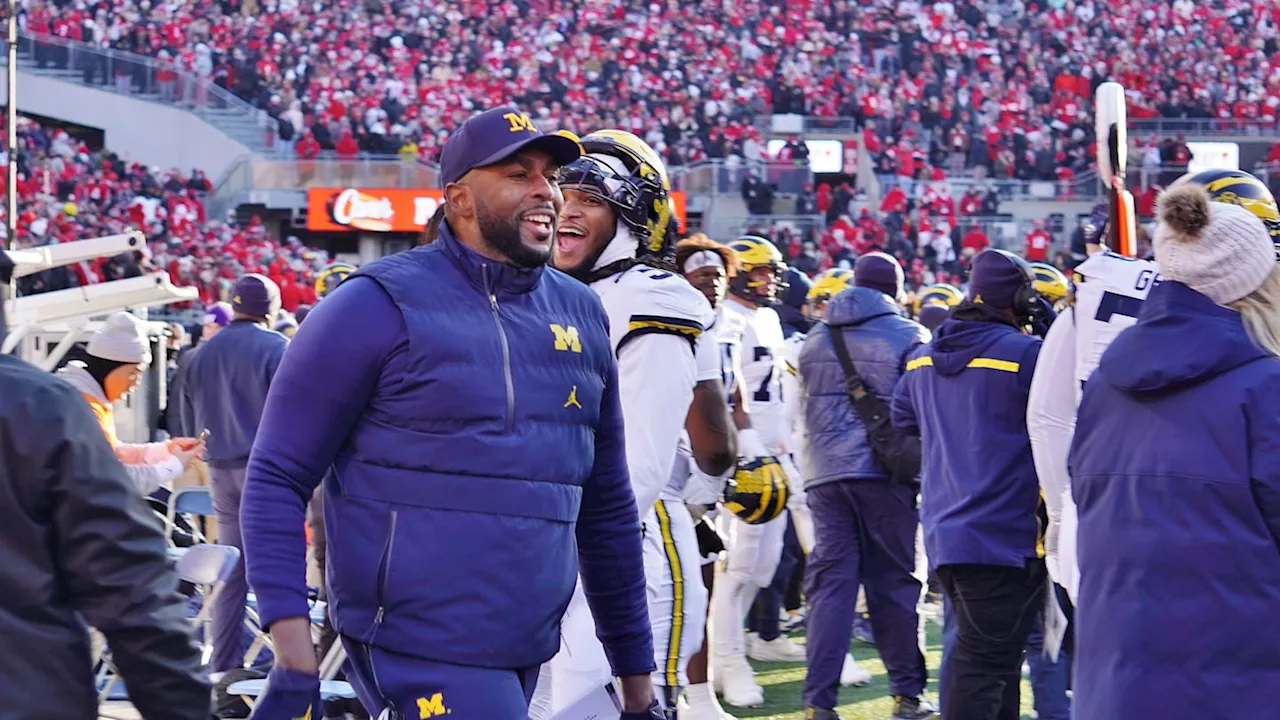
<point x="205" y="566"/>
<point x="249" y="690"/>
<point x="194" y="500"/>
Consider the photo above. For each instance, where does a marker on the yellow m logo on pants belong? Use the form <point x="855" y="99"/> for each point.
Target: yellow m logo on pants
<point x="566" y="338"/>
<point x="431" y="707"/>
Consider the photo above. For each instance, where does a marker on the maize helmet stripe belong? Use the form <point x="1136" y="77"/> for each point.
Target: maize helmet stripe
<point x="1241" y="188"/>
<point x="829" y="283"/>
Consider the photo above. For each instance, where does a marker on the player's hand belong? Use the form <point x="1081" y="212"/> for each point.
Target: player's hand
<point x="750" y="446"/>
<point x="183" y="443"/>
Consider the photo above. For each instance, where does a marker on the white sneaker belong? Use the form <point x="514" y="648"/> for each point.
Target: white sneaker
<point x="779" y="649"/>
<point x="851" y="675"/>
<point x="749" y="641"/>
<point x="739" y="682"/>
<point x="699" y="703"/>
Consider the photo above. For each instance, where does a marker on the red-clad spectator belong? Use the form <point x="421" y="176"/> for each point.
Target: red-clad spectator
<point x="347" y="147"/>
<point x="823" y="198"/>
<point x="308" y="148"/>
<point x="971" y="202"/>
<point x="1038" y="242"/>
<point x="974" y="241"/>
<point x="1145" y="203"/>
<point x="894" y="201"/>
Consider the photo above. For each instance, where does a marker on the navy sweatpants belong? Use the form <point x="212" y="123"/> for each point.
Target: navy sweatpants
<point x="865" y="534"/>
<point x="412" y="687"/>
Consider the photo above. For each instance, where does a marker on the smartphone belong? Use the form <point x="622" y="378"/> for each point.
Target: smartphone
<point x="203" y="435"/>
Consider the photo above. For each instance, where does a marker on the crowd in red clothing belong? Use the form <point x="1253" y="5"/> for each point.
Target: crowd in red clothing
<point x="1004" y="86"/>
<point x="68" y="192"/>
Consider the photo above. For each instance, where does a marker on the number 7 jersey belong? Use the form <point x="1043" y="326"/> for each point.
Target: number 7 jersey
<point x="763" y="367"/>
<point x="1109" y="292"/>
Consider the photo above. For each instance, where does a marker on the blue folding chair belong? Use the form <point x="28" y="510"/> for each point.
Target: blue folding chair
<point x="194" y="501"/>
<point x="206" y="567"/>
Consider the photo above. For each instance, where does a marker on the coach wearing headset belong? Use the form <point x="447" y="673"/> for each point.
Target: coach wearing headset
<point x="966" y="394"/>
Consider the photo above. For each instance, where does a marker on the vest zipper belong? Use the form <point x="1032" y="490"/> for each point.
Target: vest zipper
<point x="384" y="571"/>
<point x="506" y="350"/>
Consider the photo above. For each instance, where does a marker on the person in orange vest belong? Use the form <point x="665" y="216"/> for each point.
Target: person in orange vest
<point x="115" y="360"/>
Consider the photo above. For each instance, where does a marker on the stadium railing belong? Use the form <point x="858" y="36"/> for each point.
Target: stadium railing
<point x="147" y="78"/>
<point x="1163" y="127"/>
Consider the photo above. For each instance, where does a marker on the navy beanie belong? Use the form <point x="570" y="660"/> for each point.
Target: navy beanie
<point x="995" y="279"/>
<point x="932" y="315"/>
<point x="879" y="271"/>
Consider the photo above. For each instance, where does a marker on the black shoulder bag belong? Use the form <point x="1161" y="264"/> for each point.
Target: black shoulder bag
<point x="899" y="452"/>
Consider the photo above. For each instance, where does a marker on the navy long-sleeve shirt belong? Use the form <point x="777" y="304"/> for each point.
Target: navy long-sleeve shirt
<point x="352" y="343"/>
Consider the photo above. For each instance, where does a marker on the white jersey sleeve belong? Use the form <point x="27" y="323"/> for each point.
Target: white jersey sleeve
<point x="1051" y="422"/>
<point x="763" y="368"/>
<point x="656" y="319"/>
<point x="708" y="356"/>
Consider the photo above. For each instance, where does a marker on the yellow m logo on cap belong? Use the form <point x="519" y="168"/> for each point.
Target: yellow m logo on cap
<point x="566" y="338"/>
<point x="431" y="707"/>
<point x="519" y="122"/>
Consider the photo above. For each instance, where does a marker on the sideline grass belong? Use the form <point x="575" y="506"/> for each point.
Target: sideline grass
<point x="783" y="684"/>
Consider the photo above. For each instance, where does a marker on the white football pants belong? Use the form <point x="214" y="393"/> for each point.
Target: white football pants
<point x="677" y="602"/>
<point x="753" y="555"/>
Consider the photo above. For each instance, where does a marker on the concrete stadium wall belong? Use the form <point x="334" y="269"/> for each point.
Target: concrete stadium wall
<point x="137" y="130"/>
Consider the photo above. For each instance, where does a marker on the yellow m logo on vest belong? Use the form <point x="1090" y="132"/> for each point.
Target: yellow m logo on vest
<point x="431" y="707"/>
<point x="519" y="122"/>
<point x="566" y="338"/>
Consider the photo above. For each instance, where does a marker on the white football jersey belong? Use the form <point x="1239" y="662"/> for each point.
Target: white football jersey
<point x="763" y="368"/>
<point x="655" y="321"/>
<point x="1109" y="291"/>
<point x="791" y="392"/>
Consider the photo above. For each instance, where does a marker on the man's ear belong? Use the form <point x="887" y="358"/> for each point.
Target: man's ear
<point x="460" y="200"/>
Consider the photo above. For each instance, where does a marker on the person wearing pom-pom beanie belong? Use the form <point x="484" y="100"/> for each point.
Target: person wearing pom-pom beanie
<point x="1175" y="467"/>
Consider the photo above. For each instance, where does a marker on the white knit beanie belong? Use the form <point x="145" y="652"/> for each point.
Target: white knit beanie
<point x="1220" y="250"/>
<point x="121" y="339"/>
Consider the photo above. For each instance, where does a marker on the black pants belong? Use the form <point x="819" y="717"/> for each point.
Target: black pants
<point x="995" y="609"/>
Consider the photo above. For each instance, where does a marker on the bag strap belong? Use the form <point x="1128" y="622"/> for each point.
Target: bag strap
<point x="853" y="383"/>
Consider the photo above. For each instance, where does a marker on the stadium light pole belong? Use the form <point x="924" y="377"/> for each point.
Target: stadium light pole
<point x="11" y="141"/>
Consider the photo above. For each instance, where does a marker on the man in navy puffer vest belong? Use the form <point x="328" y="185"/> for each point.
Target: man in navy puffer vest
<point x="864" y="525"/>
<point x="460" y="403"/>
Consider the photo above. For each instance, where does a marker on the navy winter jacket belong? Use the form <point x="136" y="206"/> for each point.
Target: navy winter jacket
<point x="878" y="338"/>
<point x="464" y="416"/>
<point x="966" y="394"/>
<point x="225" y="388"/>
<point x="1175" y="468"/>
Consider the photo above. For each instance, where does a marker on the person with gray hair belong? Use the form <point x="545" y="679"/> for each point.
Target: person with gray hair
<point x="226" y="390"/>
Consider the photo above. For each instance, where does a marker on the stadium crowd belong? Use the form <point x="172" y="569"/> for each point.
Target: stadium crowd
<point x="1001" y="86"/>
<point x="68" y="192"/>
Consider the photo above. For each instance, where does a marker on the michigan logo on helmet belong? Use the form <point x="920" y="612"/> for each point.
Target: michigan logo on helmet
<point x="1240" y="188"/>
<point x="941" y="293"/>
<point x="758" y="491"/>
<point x="623" y="170"/>
<point x="755" y="253"/>
<point x="328" y="279"/>
<point x="828" y="284"/>
<point x="1050" y="283"/>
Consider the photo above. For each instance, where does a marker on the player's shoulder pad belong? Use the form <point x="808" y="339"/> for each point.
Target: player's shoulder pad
<point x="663" y="302"/>
<point x="1108" y="266"/>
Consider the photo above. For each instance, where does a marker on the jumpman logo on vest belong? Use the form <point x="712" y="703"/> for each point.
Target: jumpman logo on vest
<point x="573" y="398"/>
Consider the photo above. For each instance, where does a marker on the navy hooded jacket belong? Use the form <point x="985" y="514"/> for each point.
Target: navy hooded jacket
<point x="878" y="338"/>
<point x="1175" y="468"/>
<point x="966" y="394"/>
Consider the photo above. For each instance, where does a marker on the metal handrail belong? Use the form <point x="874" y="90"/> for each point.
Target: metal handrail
<point x="131" y="74"/>
<point x="1137" y="127"/>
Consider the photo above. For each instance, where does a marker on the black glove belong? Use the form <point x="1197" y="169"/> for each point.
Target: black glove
<point x="1041" y="316"/>
<point x="653" y="712"/>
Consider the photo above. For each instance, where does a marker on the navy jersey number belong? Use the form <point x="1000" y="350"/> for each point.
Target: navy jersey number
<point x="763" y="394"/>
<point x="1117" y="304"/>
<point x="652" y="273"/>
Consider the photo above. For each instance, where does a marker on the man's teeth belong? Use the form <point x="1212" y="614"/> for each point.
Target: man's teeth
<point x="572" y="231"/>
<point x="539" y="218"/>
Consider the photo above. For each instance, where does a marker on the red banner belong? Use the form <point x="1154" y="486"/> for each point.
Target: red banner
<point x="851" y="157"/>
<point x="388" y="209"/>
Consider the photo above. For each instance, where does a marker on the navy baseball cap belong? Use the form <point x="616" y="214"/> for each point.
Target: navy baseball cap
<point x="495" y="135"/>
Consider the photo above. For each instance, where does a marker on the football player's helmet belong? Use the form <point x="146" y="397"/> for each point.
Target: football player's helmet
<point x="328" y="279"/>
<point x="1240" y="188"/>
<point x="755" y="252"/>
<point x="624" y="171"/>
<point x="758" y="490"/>
<point x="826" y="285"/>
<point x="1050" y="283"/>
<point x="943" y="293"/>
